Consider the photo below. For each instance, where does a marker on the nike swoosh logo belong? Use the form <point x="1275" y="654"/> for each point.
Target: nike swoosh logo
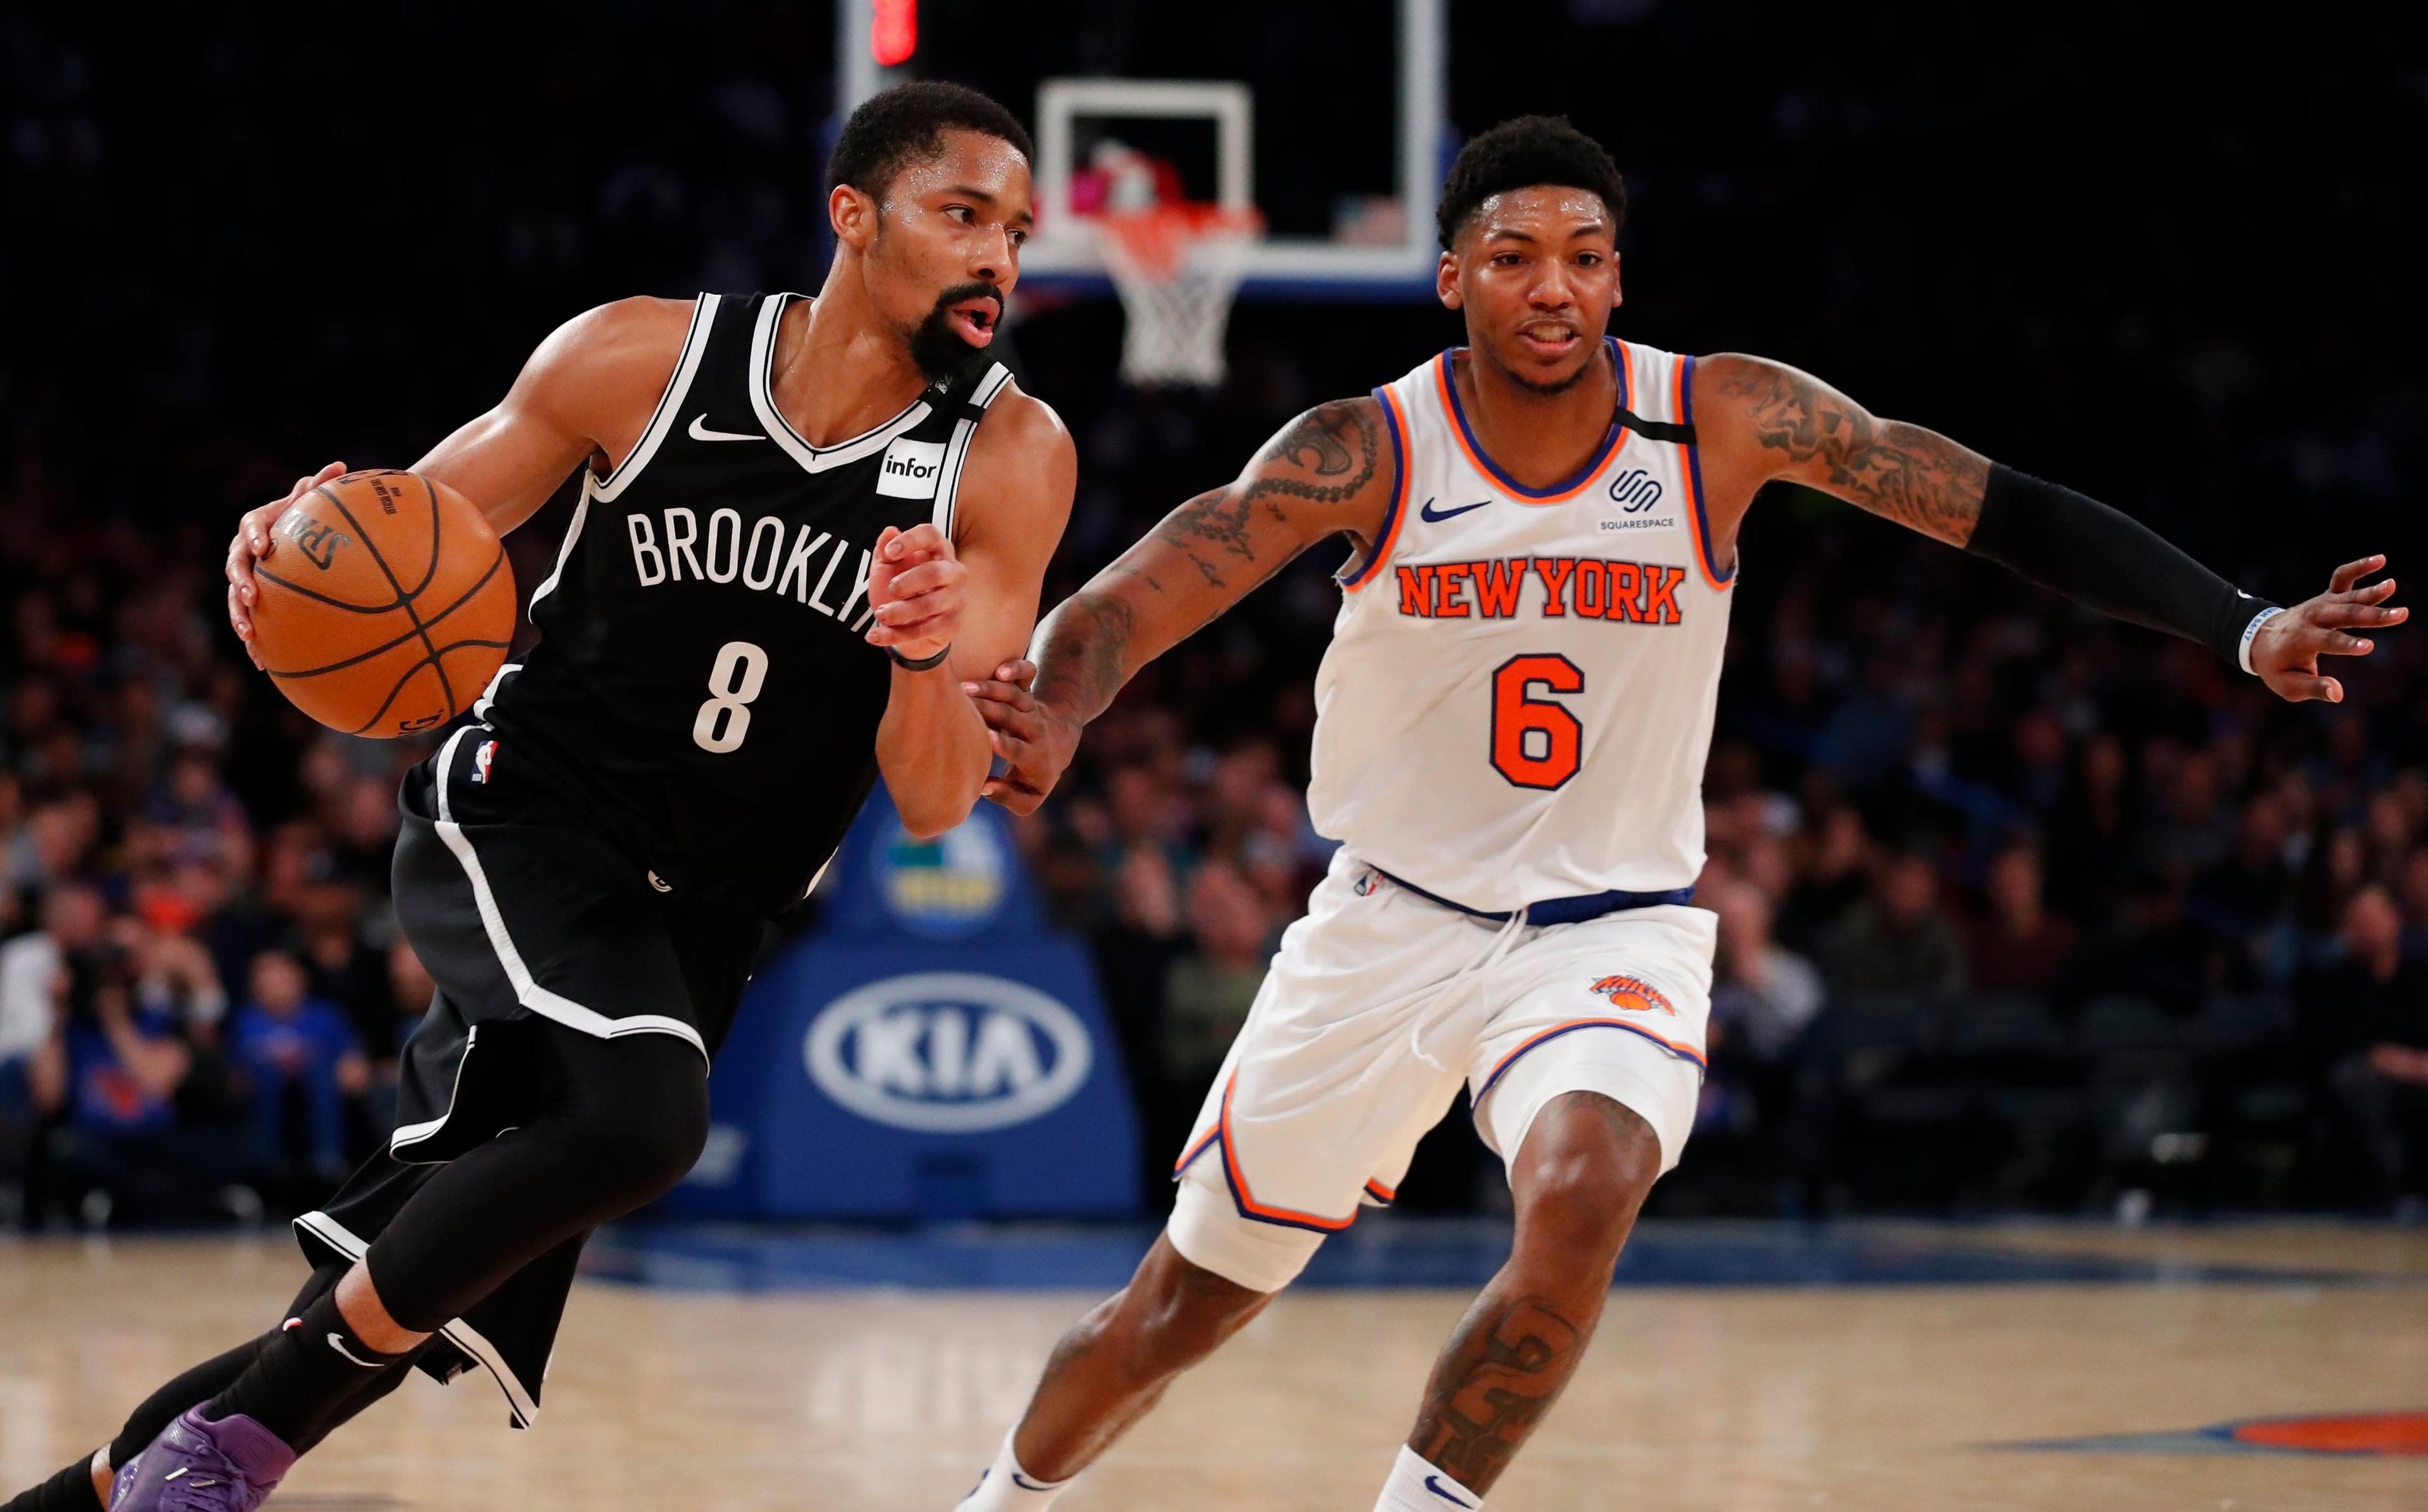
<point x="339" y="1346"/>
<point x="1433" y="1483"/>
<point x="1027" y="1485"/>
<point x="699" y="431"/>
<point x="1434" y="515"/>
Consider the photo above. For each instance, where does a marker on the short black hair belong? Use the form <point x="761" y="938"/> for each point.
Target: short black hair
<point x="894" y="127"/>
<point x="1520" y="154"/>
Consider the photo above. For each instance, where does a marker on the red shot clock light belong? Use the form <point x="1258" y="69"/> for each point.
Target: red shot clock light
<point x="895" y="35"/>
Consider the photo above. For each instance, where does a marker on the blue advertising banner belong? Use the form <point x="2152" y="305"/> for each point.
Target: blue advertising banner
<point x="928" y="1051"/>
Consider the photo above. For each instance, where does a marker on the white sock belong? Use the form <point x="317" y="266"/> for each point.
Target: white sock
<point x="1417" y="1484"/>
<point x="1006" y="1487"/>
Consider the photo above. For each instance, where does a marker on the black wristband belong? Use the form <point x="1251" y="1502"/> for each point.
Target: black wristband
<point x="924" y="663"/>
<point x="2107" y="560"/>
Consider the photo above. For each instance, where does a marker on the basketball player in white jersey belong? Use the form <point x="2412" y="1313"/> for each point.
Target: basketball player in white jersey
<point x="1514" y="715"/>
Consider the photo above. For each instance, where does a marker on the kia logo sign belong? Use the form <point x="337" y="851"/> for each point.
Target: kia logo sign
<point x="948" y="1052"/>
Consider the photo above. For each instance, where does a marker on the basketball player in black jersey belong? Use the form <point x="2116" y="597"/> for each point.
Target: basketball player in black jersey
<point x="802" y="523"/>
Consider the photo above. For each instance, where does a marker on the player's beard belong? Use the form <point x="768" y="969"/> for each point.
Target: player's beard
<point x="938" y="351"/>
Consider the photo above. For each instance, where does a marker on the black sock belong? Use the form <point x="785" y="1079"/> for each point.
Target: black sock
<point x="69" y="1490"/>
<point x="360" y="1402"/>
<point x="167" y="1405"/>
<point x="306" y="1377"/>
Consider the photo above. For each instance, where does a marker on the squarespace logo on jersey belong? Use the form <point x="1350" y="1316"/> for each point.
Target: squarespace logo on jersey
<point x="948" y="1052"/>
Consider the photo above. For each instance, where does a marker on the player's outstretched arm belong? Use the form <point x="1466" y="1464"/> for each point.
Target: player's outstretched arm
<point x="1757" y="420"/>
<point x="970" y="601"/>
<point x="587" y="391"/>
<point x="1328" y="471"/>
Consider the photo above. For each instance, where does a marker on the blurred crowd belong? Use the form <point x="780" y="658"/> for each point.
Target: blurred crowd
<point x="2017" y="907"/>
<point x="201" y="990"/>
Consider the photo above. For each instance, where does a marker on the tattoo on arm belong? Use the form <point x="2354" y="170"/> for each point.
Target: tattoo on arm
<point x="1900" y="472"/>
<point x="1082" y="652"/>
<point x="1504" y="1368"/>
<point x="1335" y="443"/>
<point x="1326" y="457"/>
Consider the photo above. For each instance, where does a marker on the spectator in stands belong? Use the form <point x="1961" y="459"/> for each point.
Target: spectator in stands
<point x="30" y="969"/>
<point x="2092" y="830"/>
<point x="1899" y="939"/>
<point x="111" y="1071"/>
<point x="292" y="1045"/>
<point x="2249" y="895"/>
<point x="409" y="991"/>
<point x="2368" y="1012"/>
<point x="1763" y="993"/>
<point x="345" y="969"/>
<point x="2018" y="945"/>
<point x="2415" y="902"/>
<point x="1831" y="855"/>
<point x="175" y="979"/>
<point x="73" y="917"/>
<point x="1211" y="987"/>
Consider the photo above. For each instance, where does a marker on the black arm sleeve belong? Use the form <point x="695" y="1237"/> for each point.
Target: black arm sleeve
<point x="2107" y="561"/>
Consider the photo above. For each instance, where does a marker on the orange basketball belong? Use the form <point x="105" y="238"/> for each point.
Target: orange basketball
<point x="387" y="604"/>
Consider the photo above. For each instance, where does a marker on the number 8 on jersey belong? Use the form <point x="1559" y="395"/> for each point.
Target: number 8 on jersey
<point x="724" y="722"/>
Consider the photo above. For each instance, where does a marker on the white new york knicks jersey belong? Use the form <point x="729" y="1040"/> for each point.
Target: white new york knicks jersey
<point x="1519" y="693"/>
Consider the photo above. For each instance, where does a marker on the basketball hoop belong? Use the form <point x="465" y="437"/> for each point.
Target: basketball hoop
<point x="1177" y="268"/>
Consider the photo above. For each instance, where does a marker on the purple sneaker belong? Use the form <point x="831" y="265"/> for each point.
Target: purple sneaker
<point x="125" y="1478"/>
<point x="197" y="1466"/>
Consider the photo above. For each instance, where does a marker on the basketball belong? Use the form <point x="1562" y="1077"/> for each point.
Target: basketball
<point x="387" y="604"/>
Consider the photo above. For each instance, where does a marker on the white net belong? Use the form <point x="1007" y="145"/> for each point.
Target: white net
<point x="1178" y="269"/>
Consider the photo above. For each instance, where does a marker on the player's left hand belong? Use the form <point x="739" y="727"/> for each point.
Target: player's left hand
<point x="2285" y="651"/>
<point x="916" y="587"/>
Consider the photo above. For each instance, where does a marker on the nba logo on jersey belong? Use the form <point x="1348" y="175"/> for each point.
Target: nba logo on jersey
<point x="486" y="753"/>
<point x="912" y="469"/>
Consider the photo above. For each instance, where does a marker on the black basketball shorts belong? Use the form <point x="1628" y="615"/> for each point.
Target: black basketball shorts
<point x="531" y="922"/>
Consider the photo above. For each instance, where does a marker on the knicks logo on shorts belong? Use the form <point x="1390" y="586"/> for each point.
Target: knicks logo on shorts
<point x="1634" y="995"/>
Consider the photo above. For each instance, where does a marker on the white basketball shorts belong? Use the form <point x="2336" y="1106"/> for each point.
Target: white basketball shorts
<point x="1379" y="1004"/>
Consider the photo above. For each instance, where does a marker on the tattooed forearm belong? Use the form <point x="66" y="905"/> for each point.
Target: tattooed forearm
<point x="1503" y="1369"/>
<point x="1917" y="478"/>
<point x="1207" y="555"/>
<point x="1083" y="652"/>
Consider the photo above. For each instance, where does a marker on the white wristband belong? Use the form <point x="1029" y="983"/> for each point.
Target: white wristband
<point x="2251" y="633"/>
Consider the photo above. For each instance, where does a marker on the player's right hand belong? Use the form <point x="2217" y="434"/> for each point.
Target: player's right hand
<point x="253" y="542"/>
<point x="1035" y="740"/>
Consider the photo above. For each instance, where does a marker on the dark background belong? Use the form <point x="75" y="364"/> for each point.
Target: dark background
<point x="2167" y="257"/>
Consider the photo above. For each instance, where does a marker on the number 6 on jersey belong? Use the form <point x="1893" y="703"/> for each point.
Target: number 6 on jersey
<point x="722" y="723"/>
<point x="1535" y="743"/>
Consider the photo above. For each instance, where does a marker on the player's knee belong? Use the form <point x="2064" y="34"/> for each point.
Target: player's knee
<point x="1179" y="1312"/>
<point x="650" y="1130"/>
<point x="1585" y="1204"/>
<point x="1579" y="1193"/>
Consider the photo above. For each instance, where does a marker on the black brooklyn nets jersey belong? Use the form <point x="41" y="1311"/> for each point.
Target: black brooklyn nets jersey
<point x="703" y="687"/>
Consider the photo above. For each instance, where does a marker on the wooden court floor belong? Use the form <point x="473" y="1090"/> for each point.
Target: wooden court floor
<point x="1741" y="1399"/>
